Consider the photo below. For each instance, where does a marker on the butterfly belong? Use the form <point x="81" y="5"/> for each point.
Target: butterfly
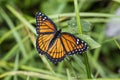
<point x="55" y="44"/>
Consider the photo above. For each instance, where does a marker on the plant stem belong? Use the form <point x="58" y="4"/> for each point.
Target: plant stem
<point x="87" y="65"/>
<point x="77" y="17"/>
<point x="80" y="32"/>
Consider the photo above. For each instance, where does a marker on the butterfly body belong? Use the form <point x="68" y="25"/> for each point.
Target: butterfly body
<point x="57" y="34"/>
<point x="53" y="43"/>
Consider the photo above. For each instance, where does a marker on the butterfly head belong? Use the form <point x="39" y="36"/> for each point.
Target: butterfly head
<point x="59" y="30"/>
<point x="58" y="33"/>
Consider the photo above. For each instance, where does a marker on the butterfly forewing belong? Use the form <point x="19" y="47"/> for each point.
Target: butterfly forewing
<point x="44" y="24"/>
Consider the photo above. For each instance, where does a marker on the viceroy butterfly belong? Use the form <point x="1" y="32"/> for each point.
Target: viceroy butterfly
<point x="53" y="43"/>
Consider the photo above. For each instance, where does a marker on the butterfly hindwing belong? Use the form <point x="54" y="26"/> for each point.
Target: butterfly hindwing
<point x="56" y="53"/>
<point x="73" y="44"/>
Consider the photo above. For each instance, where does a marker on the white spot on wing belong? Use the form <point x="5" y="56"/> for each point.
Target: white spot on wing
<point x="77" y="42"/>
<point x="82" y="41"/>
<point x="43" y="19"/>
<point x="39" y="13"/>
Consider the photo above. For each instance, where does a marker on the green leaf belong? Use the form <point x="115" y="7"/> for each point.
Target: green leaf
<point x="92" y="43"/>
<point x="73" y="25"/>
<point x="85" y="25"/>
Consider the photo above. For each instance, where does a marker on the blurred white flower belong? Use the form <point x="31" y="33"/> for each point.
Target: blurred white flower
<point x="113" y="27"/>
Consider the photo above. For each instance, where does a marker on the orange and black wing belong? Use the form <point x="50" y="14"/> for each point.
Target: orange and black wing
<point x="56" y="52"/>
<point x="73" y="44"/>
<point x="42" y="42"/>
<point x="66" y="44"/>
<point x="44" y="25"/>
<point x="45" y="29"/>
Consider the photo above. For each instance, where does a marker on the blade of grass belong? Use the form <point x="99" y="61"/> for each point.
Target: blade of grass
<point x="28" y="68"/>
<point x="117" y="1"/>
<point x="60" y="67"/>
<point x="21" y="18"/>
<point x="118" y="45"/>
<point x="80" y="32"/>
<point x="83" y="14"/>
<point x="28" y="78"/>
<point x="15" y="33"/>
<point x="100" y="39"/>
<point x="32" y="74"/>
<point x="96" y="65"/>
<point x="16" y="65"/>
<point x="77" y="17"/>
<point x="87" y="65"/>
<point x="68" y="75"/>
<point x="10" y="32"/>
<point x="81" y="4"/>
<point x="31" y="54"/>
<point x="8" y="78"/>
<point x="111" y="39"/>
<point x="13" y="50"/>
<point x="7" y="34"/>
<point x="24" y="67"/>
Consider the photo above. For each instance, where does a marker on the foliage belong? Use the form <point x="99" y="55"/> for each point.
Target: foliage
<point x="19" y="59"/>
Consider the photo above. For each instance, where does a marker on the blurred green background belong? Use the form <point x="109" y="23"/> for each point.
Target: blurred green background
<point x="19" y="59"/>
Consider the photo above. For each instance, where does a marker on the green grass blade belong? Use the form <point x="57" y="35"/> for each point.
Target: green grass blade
<point x="80" y="32"/>
<point x="21" y="18"/>
<point x="13" y="50"/>
<point x="68" y="74"/>
<point x="16" y="65"/>
<point x="10" y="32"/>
<point x="15" y="33"/>
<point x="77" y="17"/>
<point x="85" y="14"/>
<point x="118" y="45"/>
